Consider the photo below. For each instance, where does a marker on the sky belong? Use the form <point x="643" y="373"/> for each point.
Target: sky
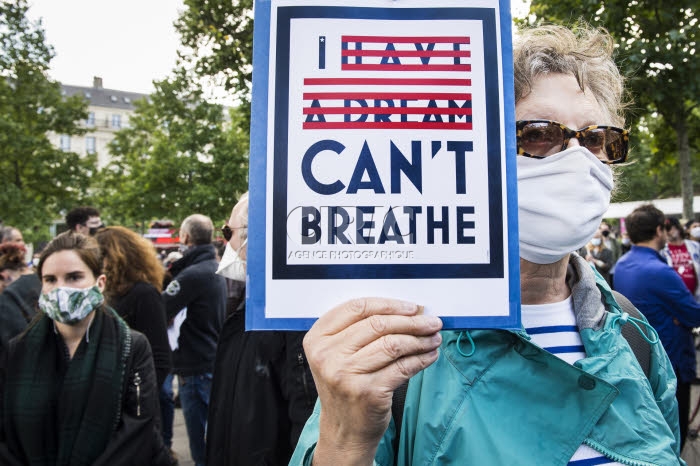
<point x="128" y="43"/>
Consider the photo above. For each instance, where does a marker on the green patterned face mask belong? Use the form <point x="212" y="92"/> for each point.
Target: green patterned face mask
<point x="70" y="305"/>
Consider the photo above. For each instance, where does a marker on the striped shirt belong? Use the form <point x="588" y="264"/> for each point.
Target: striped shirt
<point x="553" y="328"/>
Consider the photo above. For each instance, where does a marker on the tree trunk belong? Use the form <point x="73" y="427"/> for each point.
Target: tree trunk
<point x="684" y="167"/>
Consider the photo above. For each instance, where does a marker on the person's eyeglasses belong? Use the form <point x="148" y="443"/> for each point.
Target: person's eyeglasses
<point x="227" y="231"/>
<point x="542" y="138"/>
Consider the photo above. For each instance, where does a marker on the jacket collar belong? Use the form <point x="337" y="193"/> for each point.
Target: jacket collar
<point x="585" y="293"/>
<point x="193" y="255"/>
<point x="647" y="251"/>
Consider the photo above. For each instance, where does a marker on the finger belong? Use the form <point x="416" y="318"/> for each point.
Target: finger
<point x="350" y="312"/>
<point x="397" y="373"/>
<point x="374" y="327"/>
<point x="389" y="349"/>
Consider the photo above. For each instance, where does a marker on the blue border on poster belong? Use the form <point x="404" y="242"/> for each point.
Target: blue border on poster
<point x="255" y="317"/>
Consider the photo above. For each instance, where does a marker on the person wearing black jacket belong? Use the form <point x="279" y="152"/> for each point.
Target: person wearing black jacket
<point x="196" y="287"/>
<point x="263" y="391"/>
<point x="78" y="387"/>
<point x="134" y="282"/>
<point x="19" y="291"/>
<point x="18" y="306"/>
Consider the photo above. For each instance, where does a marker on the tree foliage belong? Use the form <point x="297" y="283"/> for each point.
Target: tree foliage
<point x="219" y="37"/>
<point x="38" y="180"/>
<point x="180" y="155"/>
<point x="657" y="49"/>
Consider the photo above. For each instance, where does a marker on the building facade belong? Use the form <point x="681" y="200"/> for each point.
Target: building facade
<point x="109" y="110"/>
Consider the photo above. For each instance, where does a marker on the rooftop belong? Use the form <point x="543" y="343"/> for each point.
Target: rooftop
<point x="101" y="97"/>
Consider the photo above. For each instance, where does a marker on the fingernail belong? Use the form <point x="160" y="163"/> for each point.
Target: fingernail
<point x="433" y="321"/>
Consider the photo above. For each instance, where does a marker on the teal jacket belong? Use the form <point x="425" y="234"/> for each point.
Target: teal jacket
<point x="511" y="402"/>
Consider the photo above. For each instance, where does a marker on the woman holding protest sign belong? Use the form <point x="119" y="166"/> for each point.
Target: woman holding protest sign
<point x="567" y="387"/>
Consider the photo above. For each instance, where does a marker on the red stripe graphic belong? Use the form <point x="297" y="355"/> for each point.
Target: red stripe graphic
<point x="396" y="67"/>
<point x="385" y="111"/>
<point x="386" y="125"/>
<point x="407" y="40"/>
<point x="385" y="82"/>
<point x="387" y="95"/>
<point x="406" y="53"/>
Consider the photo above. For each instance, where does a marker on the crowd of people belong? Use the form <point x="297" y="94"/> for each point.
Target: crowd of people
<point x="94" y="332"/>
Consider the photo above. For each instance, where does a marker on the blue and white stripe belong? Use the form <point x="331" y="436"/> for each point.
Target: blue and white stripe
<point x="553" y="328"/>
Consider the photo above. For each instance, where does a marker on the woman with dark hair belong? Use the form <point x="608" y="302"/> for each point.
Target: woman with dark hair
<point x="134" y="281"/>
<point x="81" y="388"/>
<point x="19" y="292"/>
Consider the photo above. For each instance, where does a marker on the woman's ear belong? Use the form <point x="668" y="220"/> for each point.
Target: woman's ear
<point x="101" y="282"/>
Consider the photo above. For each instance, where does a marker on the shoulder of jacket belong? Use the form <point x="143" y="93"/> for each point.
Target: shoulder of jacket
<point x="692" y="245"/>
<point x="143" y="287"/>
<point x="139" y="343"/>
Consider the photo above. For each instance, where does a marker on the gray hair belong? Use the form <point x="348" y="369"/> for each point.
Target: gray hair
<point x="242" y="215"/>
<point x="199" y="227"/>
<point x="584" y="52"/>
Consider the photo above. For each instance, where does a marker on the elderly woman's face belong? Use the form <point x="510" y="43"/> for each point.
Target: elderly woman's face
<point x="558" y="97"/>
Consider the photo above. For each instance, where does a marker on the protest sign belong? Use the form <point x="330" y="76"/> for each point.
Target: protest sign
<point x="382" y="160"/>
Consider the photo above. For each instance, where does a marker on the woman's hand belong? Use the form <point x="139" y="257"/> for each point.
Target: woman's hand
<point x="359" y="353"/>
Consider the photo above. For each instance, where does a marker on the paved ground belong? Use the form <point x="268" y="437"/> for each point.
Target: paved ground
<point x="181" y="445"/>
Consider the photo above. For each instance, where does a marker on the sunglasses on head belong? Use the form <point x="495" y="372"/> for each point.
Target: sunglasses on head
<point x="542" y="138"/>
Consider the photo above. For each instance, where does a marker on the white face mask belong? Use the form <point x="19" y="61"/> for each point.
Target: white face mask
<point x="695" y="232"/>
<point x="561" y="202"/>
<point x="595" y="241"/>
<point x="231" y="265"/>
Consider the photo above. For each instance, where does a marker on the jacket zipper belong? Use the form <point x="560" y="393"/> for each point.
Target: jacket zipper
<point x="300" y="360"/>
<point x="137" y="383"/>
<point x="614" y="456"/>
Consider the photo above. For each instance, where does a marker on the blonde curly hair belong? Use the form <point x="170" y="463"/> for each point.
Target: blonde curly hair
<point x="583" y="51"/>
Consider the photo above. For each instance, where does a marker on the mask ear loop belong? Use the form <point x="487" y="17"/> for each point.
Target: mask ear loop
<point x="240" y="248"/>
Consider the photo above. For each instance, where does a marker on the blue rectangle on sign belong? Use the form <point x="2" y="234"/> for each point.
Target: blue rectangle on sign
<point x="322" y="52"/>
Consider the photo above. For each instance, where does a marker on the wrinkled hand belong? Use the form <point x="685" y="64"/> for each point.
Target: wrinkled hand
<point x="359" y="353"/>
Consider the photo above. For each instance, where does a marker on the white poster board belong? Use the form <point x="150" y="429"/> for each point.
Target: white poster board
<point x="383" y="160"/>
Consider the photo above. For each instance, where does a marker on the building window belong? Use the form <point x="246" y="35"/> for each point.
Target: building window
<point x="127" y="100"/>
<point x="90" y="119"/>
<point x="116" y="121"/>
<point x="65" y="142"/>
<point x="113" y="98"/>
<point x="90" y="144"/>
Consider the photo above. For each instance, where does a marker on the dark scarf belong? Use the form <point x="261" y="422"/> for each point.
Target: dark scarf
<point x="55" y="418"/>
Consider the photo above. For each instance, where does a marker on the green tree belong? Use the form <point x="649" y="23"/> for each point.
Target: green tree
<point x="657" y="47"/>
<point x="180" y="155"/>
<point x="218" y="35"/>
<point x="38" y="180"/>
